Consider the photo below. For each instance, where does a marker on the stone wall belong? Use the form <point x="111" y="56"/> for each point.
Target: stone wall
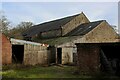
<point x="74" y="23"/>
<point x="102" y="33"/>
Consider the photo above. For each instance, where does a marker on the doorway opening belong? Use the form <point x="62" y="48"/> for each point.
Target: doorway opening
<point x="110" y="58"/>
<point x="59" y="55"/>
<point x="17" y="53"/>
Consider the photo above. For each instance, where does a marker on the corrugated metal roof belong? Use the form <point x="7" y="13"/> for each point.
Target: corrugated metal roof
<point x="84" y="28"/>
<point x="47" y="26"/>
<point x="22" y="42"/>
<point x="79" y="32"/>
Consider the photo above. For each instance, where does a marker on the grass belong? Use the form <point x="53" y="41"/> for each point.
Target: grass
<point x="38" y="72"/>
<point x="21" y="71"/>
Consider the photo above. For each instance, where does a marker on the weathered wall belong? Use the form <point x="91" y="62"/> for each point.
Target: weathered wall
<point x="43" y="57"/>
<point x="35" y="54"/>
<point x="51" y="34"/>
<point x="74" y="23"/>
<point x="101" y="34"/>
<point x="88" y="58"/>
<point x="104" y="32"/>
<point x="6" y="50"/>
<point x="67" y="55"/>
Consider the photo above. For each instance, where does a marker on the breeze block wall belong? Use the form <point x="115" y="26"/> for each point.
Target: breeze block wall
<point x="67" y="55"/>
<point x="35" y="54"/>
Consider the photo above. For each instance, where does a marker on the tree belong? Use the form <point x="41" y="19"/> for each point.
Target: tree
<point x="25" y="25"/>
<point x="17" y="31"/>
<point x="4" y="24"/>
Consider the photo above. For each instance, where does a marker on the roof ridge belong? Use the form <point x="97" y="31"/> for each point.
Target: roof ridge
<point x="50" y="25"/>
<point x="98" y="21"/>
<point x="58" y="19"/>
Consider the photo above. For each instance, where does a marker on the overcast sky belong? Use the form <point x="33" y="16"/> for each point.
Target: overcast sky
<point x="39" y="12"/>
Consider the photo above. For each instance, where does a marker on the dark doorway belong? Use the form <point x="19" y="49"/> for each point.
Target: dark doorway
<point x="110" y="57"/>
<point x="75" y="55"/>
<point x="59" y="55"/>
<point x="17" y="53"/>
<point x="52" y="55"/>
<point x="111" y="51"/>
<point x="75" y="58"/>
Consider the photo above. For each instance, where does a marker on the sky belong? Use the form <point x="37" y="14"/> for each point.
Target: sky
<point x="119" y="17"/>
<point x="59" y="0"/>
<point x="39" y="12"/>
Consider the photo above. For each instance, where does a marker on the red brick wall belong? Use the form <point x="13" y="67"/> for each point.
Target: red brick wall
<point x="88" y="58"/>
<point x="6" y="50"/>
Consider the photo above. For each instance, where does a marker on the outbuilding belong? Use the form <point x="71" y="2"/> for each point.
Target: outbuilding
<point x="23" y="52"/>
<point x="29" y="53"/>
<point x="54" y="32"/>
<point x="97" y="44"/>
<point x="92" y="39"/>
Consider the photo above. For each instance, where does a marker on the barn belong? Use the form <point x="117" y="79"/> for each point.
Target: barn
<point x="65" y="48"/>
<point x="29" y="53"/>
<point x="92" y="44"/>
<point x="6" y="50"/>
<point x="97" y="46"/>
<point x="23" y="52"/>
<point x="98" y="49"/>
<point x="55" y="28"/>
<point x="54" y="32"/>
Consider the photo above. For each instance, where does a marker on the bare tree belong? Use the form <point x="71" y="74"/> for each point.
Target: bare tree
<point x="4" y="24"/>
<point x="17" y="31"/>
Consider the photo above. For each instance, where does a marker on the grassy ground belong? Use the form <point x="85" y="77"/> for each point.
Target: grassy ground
<point x="20" y="71"/>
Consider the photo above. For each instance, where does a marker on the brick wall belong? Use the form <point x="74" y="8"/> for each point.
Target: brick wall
<point x="88" y="58"/>
<point x="6" y="50"/>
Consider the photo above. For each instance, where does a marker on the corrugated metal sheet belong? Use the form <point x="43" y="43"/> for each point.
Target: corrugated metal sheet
<point x="84" y="28"/>
<point x="23" y="42"/>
